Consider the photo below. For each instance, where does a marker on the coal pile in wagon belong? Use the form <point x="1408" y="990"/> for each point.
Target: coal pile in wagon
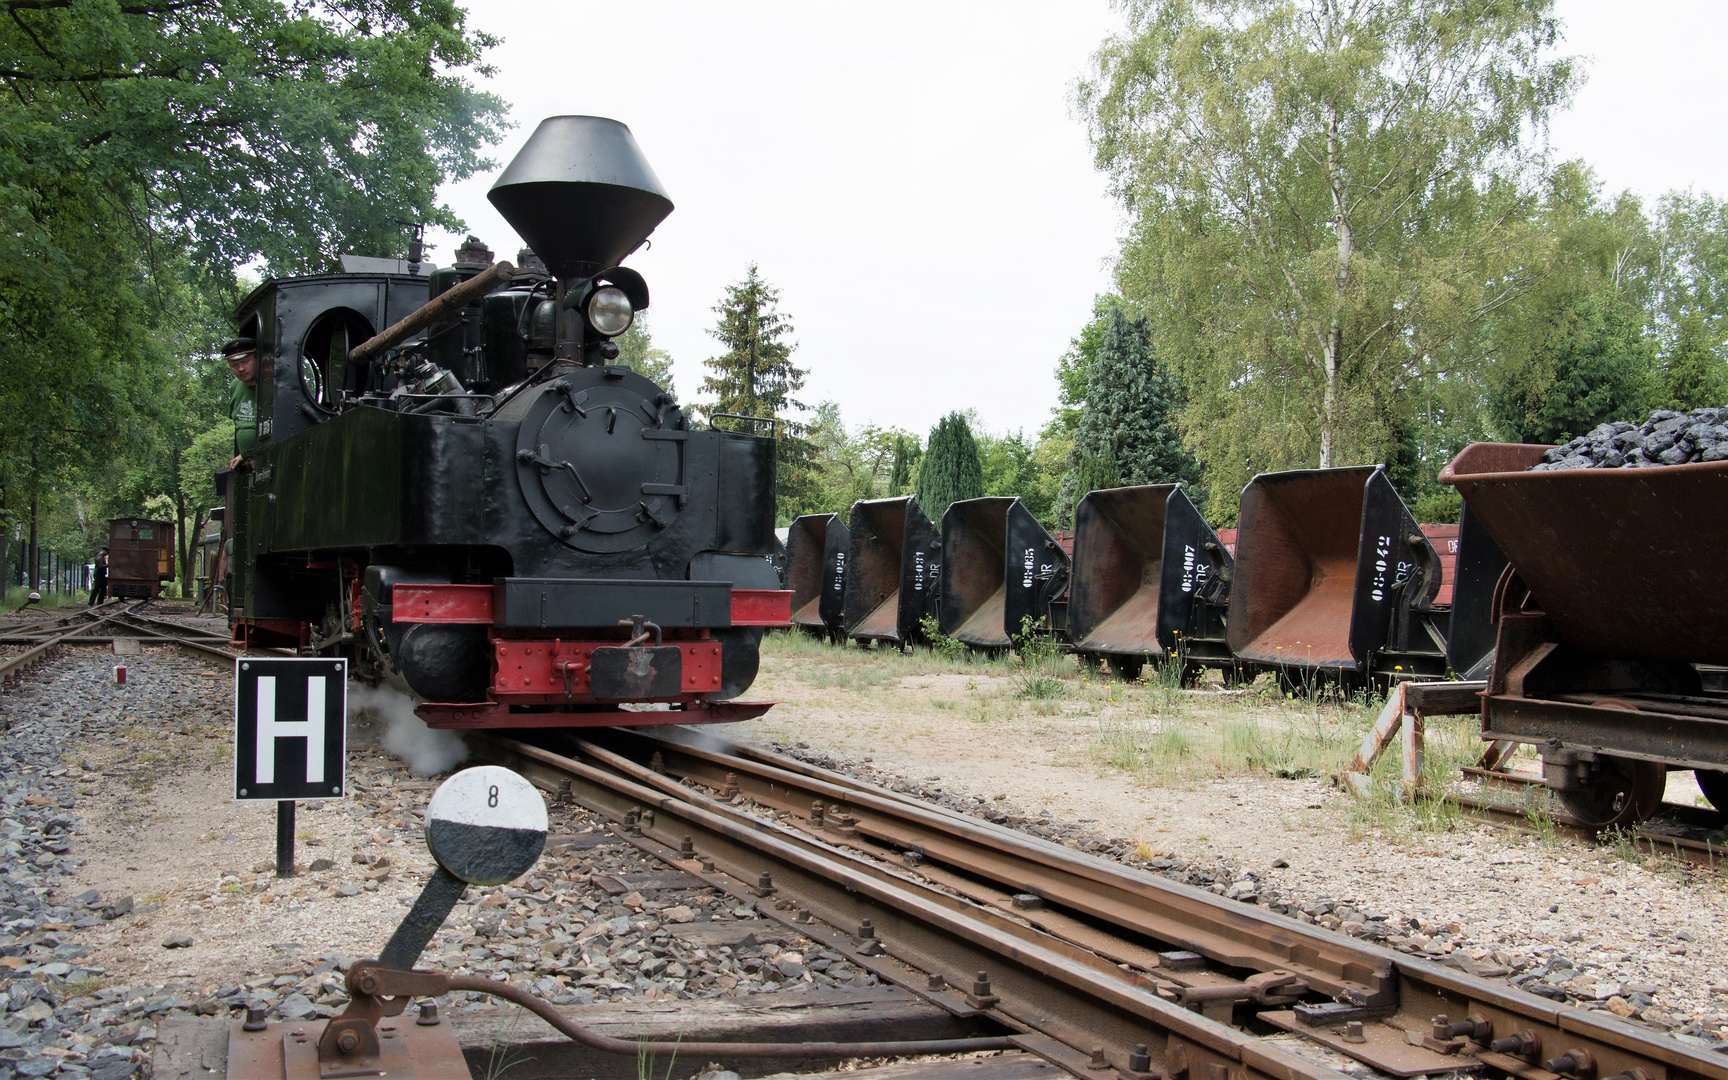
<point x="1666" y="438"/>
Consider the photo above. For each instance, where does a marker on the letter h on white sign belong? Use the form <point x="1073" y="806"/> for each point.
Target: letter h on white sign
<point x="270" y="729"/>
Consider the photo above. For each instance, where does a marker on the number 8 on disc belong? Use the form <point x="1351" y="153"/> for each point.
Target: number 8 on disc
<point x="486" y="825"/>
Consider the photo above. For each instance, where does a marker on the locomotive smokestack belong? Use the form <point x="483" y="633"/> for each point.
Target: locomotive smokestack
<point x="581" y="194"/>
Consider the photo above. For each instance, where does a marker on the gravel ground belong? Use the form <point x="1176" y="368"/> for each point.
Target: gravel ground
<point x="132" y="888"/>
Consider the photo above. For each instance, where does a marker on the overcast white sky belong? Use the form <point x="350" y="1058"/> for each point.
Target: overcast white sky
<point x="913" y="180"/>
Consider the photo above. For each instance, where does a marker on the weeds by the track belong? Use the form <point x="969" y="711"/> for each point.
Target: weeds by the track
<point x="17" y="594"/>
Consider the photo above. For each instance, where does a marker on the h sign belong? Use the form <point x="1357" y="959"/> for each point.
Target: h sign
<point x="289" y="729"/>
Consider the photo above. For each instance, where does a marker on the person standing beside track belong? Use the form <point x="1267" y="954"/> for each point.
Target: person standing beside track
<point x="99" y="578"/>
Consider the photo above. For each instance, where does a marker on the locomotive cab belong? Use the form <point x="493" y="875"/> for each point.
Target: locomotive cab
<point x="455" y="487"/>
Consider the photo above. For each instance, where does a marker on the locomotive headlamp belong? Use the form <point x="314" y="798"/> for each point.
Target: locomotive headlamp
<point x="610" y="311"/>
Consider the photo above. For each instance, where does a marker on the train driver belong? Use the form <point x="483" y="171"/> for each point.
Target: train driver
<point x="242" y="357"/>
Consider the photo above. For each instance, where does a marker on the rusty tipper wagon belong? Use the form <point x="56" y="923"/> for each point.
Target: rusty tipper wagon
<point x="140" y="556"/>
<point x="1614" y="600"/>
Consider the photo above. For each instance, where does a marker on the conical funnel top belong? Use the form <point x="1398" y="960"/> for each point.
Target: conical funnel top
<point x="581" y="194"/>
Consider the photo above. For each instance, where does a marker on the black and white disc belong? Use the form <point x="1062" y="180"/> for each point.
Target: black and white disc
<point x="486" y="825"/>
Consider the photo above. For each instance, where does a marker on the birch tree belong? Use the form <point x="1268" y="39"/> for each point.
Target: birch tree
<point x="1324" y="194"/>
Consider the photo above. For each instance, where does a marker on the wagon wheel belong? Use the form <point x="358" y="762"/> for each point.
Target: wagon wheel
<point x="1626" y="791"/>
<point x="1714" y="784"/>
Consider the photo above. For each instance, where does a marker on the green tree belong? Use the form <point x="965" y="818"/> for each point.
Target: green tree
<point x="1127" y="432"/>
<point x="636" y="351"/>
<point x="905" y="468"/>
<point x="950" y="469"/>
<point x="1074" y="368"/>
<point x="850" y="464"/>
<point x="755" y="377"/>
<point x="1571" y="348"/>
<point x="1692" y="367"/>
<point x="1691" y="298"/>
<point x="241" y="129"/>
<point x="1005" y="463"/>
<point x="1324" y="197"/>
<point x="149" y="149"/>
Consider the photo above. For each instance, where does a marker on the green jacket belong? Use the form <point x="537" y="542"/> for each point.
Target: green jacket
<point x="243" y="410"/>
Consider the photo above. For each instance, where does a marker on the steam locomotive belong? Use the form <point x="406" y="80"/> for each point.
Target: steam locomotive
<point x="458" y="488"/>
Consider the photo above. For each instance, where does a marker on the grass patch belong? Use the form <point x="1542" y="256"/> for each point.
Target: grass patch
<point x="1174" y="746"/>
<point x="1038" y="686"/>
<point x="17" y="594"/>
<point x="1449" y="744"/>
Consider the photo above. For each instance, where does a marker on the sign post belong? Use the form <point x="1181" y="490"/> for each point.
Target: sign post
<point x="290" y="738"/>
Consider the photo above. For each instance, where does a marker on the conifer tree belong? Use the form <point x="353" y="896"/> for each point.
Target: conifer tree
<point x="755" y="376"/>
<point x="906" y="454"/>
<point x="1127" y="432"/>
<point x="950" y="469"/>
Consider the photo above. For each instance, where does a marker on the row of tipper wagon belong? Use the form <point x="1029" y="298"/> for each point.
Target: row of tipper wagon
<point x="1328" y="578"/>
<point x="1586" y="608"/>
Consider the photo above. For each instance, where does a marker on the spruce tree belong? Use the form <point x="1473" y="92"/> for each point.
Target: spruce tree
<point x="755" y="376"/>
<point x="1127" y="432"/>
<point x="950" y="469"/>
<point x="906" y="454"/>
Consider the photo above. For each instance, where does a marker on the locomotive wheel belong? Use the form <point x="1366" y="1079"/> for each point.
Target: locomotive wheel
<point x="1624" y="794"/>
<point x="1714" y="784"/>
<point x="1126" y="668"/>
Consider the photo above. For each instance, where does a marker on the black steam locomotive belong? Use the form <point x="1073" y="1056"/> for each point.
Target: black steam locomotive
<point x="456" y="486"/>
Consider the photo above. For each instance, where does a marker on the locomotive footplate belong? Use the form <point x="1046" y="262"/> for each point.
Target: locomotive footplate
<point x="476" y="715"/>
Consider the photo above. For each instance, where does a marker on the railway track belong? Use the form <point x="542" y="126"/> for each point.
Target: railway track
<point x="1096" y="968"/>
<point x="113" y="621"/>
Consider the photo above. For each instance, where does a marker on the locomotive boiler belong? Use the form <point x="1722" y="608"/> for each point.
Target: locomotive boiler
<point x="457" y="486"/>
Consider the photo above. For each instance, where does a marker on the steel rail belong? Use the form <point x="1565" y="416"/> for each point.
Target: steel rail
<point x="181" y="635"/>
<point x="43" y="625"/>
<point x="15" y="664"/>
<point x="107" y="639"/>
<point x="1148" y="907"/>
<point x="1072" y="1007"/>
<point x="1424" y="993"/>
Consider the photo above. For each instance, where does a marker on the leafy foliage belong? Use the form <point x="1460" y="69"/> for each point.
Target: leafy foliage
<point x="851" y="464"/>
<point x="148" y="150"/>
<point x="636" y="350"/>
<point x="1324" y="200"/>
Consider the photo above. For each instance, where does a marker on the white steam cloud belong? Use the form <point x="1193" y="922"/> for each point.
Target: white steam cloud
<point x="426" y="751"/>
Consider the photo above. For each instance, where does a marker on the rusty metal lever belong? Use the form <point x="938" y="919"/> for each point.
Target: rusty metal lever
<point x="379" y="992"/>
